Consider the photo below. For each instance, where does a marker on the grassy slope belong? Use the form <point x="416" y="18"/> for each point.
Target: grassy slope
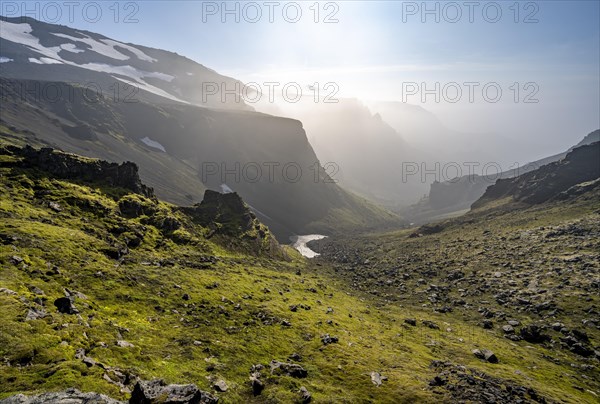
<point x="499" y="249"/>
<point x="136" y="300"/>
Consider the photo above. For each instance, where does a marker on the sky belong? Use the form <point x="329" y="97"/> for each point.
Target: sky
<point x="543" y="56"/>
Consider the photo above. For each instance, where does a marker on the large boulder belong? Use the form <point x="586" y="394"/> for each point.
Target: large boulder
<point x="533" y="334"/>
<point x="159" y="392"/>
<point x="65" y="305"/>
<point x="69" y="396"/>
<point x="288" y="369"/>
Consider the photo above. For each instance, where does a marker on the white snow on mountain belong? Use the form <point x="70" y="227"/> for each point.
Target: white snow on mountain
<point x="142" y="85"/>
<point x="5" y="60"/>
<point x="153" y="143"/>
<point x="71" y="47"/>
<point x="225" y="189"/>
<point x="138" y="53"/>
<point x="126" y="70"/>
<point x="21" y="33"/>
<point x="96" y="46"/>
<point x="45" y="61"/>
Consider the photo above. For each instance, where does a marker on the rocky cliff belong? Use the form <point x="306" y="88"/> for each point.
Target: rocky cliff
<point x="580" y="165"/>
<point x="71" y="167"/>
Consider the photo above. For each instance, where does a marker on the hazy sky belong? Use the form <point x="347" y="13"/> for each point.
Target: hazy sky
<point x="376" y="49"/>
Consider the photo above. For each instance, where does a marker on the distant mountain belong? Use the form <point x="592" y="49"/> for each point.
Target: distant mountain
<point x="458" y="194"/>
<point x="580" y="165"/>
<point x="589" y="139"/>
<point x="181" y="148"/>
<point x="364" y="150"/>
<point x="424" y="130"/>
<point x="31" y="49"/>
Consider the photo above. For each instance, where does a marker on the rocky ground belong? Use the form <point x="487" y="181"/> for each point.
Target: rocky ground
<point x="527" y="274"/>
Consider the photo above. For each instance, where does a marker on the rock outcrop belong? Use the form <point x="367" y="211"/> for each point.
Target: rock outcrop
<point x="226" y="209"/>
<point x="72" y="167"/>
<point x="157" y="391"/>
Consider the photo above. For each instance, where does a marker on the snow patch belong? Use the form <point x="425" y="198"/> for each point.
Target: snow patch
<point x="45" y="61"/>
<point x="5" y="59"/>
<point x="96" y="46"/>
<point x="71" y="47"/>
<point x="21" y="33"/>
<point x="150" y="88"/>
<point x="153" y="143"/>
<point x="126" y="70"/>
<point x="225" y="189"/>
<point x="106" y="47"/>
<point x="138" y="53"/>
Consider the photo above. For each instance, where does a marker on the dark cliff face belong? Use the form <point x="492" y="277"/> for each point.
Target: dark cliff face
<point x="460" y="193"/>
<point x="538" y="186"/>
<point x="457" y="193"/>
<point x="71" y="167"/>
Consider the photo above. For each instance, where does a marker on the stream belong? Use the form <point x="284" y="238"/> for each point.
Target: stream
<point x="299" y="243"/>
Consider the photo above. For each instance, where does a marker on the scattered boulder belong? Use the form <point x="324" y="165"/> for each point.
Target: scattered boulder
<point x="125" y="344"/>
<point x="35" y="314"/>
<point x="533" y="333"/>
<point x="257" y="385"/>
<point x="157" y="391"/>
<point x="437" y="381"/>
<point x="295" y="357"/>
<point x="305" y="396"/>
<point x="35" y="290"/>
<point x="8" y="292"/>
<point x="465" y="385"/>
<point x="377" y="379"/>
<point x="65" y="305"/>
<point x="410" y="321"/>
<point x="89" y="362"/>
<point x="327" y="339"/>
<point x="431" y="324"/>
<point x="221" y="386"/>
<point x="16" y="260"/>
<point x="288" y="369"/>
<point x="486" y="355"/>
<point x="55" y="206"/>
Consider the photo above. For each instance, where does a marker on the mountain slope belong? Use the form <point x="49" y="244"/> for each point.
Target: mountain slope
<point x="458" y="194"/>
<point x="580" y="165"/>
<point x="103" y="287"/>
<point x="32" y="49"/>
<point x="183" y="149"/>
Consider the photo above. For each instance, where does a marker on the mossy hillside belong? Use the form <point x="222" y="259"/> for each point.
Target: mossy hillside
<point x="195" y="311"/>
<point x="67" y="236"/>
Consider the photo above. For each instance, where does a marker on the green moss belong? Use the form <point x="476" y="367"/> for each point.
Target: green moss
<point x="236" y="298"/>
